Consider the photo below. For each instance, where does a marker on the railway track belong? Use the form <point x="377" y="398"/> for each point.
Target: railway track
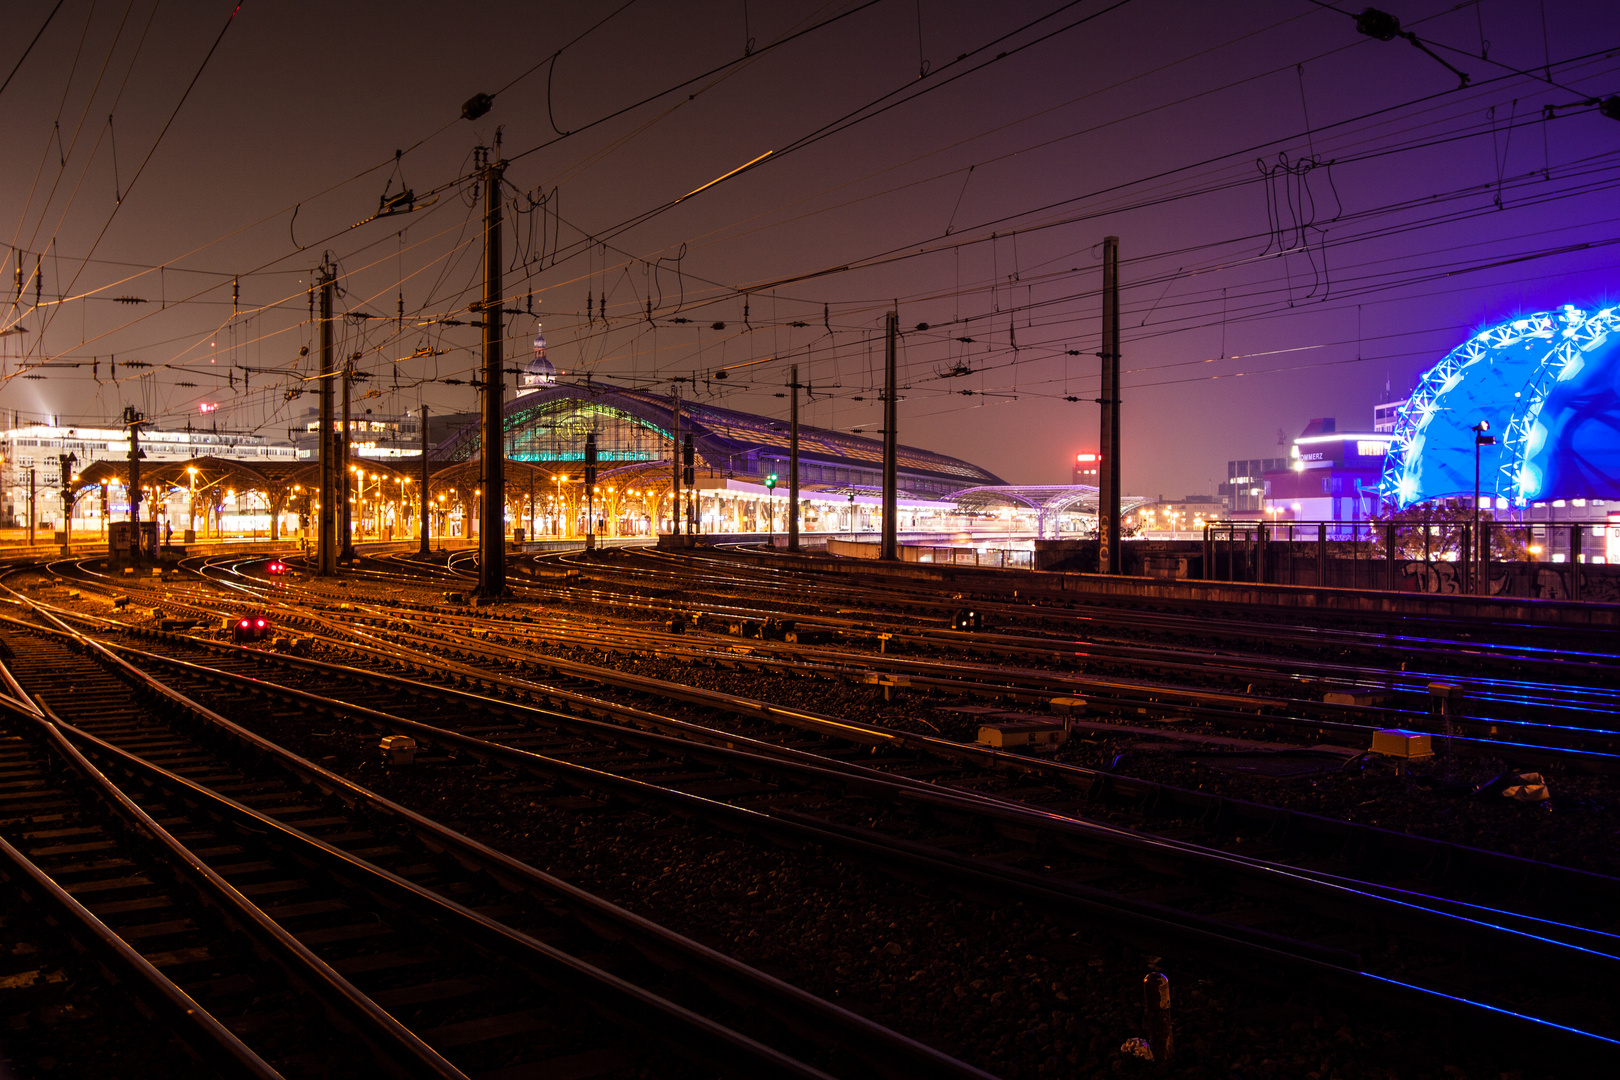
<point x="1116" y="867"/>
<point x="492" y="655"/>
<point x="434" y="938"/>
<point x="1501" y="686"/>
<point x="1239" y="701"/>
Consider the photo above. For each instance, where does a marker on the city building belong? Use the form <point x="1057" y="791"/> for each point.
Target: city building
<point x="1331" y="475"/>
<point x="1244" y="491"/>
<point x="373" y="435"/>
<point x="1085" y="468"/>
<point x="33" y="459"/>
<point x="1385" y="414"/>
<point x="1174" y="516"/>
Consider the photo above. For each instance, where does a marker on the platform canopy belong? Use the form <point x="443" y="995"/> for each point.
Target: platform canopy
<point x="1047" y="500"/>
<point x="281" y="483"/>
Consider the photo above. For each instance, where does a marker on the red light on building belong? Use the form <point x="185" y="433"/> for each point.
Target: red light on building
<point x="1085" y="468"/>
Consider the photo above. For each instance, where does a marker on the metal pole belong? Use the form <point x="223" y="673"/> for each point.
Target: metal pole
<point x="132" y="420"/>
<point x="590" y="491"/>
<point x="793" y="461"/>
<point x="890" y="548"/>
<point x="1575" y="561"/>
<point x="1108" y="549"/>
<point x="423" y="549"/>
<point x="326" y="535"/>
<point x="31" y="510"/>
<point x="492" y="542"/>
<point x="345" y="461"/>
<point x="1475" y="578"/>
<point x="675" y="459"/>
<point x="1389" y="555"/>
<point x="67" y="461"/>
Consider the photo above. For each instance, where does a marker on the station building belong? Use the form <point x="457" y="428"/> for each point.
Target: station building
<point x="33" y="459"/>
<point x="740" y="461"/>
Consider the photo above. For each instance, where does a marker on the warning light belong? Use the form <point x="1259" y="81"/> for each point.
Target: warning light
<point x="205" y="406"/>
<point x="1088" y="457"/>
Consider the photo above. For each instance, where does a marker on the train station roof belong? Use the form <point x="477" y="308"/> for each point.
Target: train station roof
<point x="549" y="422"/>
<point x="1046" y="498"/>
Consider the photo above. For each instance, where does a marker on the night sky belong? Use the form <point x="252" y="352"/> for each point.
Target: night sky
<point x="1305" y="212"/>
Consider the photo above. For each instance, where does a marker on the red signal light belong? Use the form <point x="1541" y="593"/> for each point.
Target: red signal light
<point x="261" y="624"/>
<point x="244" y="624"/>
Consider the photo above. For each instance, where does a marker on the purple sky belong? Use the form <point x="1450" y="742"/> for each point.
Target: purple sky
<point x="1400" y="212"/>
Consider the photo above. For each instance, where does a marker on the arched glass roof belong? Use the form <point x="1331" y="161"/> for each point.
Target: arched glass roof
<point x="1545" y="385"/>
<point x="549" y="424"/>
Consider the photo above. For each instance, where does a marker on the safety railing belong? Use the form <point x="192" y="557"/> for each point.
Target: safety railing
<point x="1553" y="560"/>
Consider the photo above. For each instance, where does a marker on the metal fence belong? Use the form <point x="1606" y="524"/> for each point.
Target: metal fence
<point x="1561" y="560"/>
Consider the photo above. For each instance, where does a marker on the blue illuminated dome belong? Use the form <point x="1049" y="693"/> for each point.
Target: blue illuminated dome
<point x="1545" y="384"/>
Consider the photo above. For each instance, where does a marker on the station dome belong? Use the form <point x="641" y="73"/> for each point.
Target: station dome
<point x="539" y="371"/>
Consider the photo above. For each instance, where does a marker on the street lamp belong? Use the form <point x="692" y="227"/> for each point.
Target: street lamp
<point x="1480" y="439"/>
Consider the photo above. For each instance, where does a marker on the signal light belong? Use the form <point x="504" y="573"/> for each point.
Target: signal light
<point x="261" y="624"/>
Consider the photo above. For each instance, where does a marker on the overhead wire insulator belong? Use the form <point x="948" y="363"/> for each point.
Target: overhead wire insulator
<point x="1378" y="24"/>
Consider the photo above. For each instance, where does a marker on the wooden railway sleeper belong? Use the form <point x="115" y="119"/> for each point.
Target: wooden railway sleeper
<point x="712" y="1043"/>
<point x="205" y="1036"/>
<point x="402" y="1052"/>
<point x="617" y="784"/>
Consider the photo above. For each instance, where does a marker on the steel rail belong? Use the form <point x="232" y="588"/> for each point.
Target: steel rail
<point x="949" y="866"/>
<point x="890" y="1053"/>
<point x="405" y="1054"/>
<point x="1516" y="693"/>
<point x="716" y="1045"/>
<point x="714" y="1042"/>
<point x="1068" y="607"/>
<point x="1006" y="813"/>
<point x="1129" y="694"/>
<point x="636" y="716"/>
<point x="1580" y="746"/>
<point x="1088" y="780"/>
<point x="195" y="1026"/>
